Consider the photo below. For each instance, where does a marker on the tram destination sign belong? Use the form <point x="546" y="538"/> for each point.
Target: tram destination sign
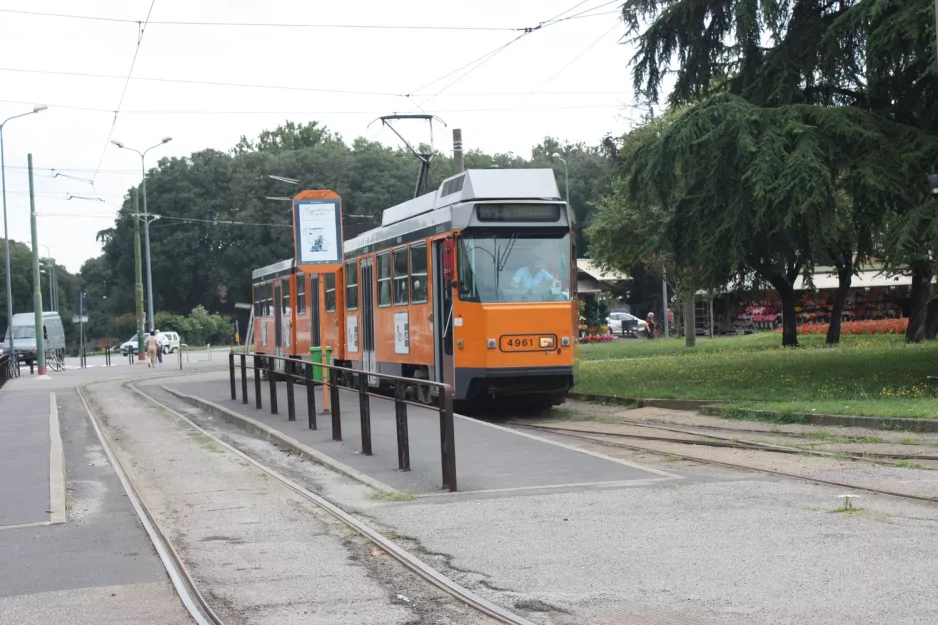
<point x="317" y="230"/>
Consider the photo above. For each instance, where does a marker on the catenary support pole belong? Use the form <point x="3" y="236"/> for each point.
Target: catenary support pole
<point x="37" y="289"/>
<point x="138" y="285"/>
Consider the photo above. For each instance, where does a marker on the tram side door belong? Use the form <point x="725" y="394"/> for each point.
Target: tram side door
<point x="442" y="320"/>
<point x="278" y="318"/>
<point x="367" y="288"/>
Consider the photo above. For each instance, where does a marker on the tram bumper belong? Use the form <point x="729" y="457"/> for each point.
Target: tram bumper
<point x="481" y="383"/>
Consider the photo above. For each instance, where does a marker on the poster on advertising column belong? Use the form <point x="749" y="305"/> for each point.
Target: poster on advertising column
<point x="317" y="230"/>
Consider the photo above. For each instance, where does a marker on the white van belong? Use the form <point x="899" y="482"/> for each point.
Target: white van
<point x="24" y="335"/>
<point x="170" y="341"/>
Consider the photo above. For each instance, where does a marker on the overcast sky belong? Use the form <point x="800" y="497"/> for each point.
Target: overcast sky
<point x="569" y="80"/>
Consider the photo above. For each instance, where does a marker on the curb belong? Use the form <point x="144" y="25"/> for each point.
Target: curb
<point x="689" y="405"/>
<point x="873" y="423"/>
<point x="265" y="431"/>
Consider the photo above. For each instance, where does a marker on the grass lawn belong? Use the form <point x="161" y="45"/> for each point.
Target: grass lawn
<point x="866" y="375"/>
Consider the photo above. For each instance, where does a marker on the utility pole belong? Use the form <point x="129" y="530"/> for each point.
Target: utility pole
<point x="138" y="288"/>
<point x="37" y="289"/>
<point x="664" y="300"/>
<point x="459" y="165"/>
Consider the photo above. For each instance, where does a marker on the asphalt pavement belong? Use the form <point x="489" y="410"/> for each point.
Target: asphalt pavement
<point x="489" y="457"/>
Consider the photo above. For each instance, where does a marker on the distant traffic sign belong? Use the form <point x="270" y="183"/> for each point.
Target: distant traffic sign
<point x="243" y="306"/>
<point x="80" y="319"/>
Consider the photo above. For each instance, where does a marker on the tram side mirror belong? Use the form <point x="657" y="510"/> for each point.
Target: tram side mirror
<point x="449" y="261"/>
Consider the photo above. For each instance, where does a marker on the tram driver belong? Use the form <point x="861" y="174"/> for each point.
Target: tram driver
<point x="531" y="276"/>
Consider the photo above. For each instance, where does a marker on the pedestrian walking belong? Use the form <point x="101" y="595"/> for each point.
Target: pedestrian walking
<point x="152" y="344"/>
<point x="650" y="325"/>
<point x="159" y="348"/>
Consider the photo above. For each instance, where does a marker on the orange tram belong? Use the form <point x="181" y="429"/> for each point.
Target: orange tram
<point x="473" y="284"/>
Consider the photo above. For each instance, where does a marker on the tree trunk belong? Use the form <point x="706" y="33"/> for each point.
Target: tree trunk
<point x="931" y="325"/>
<point x="789" y="321"/>
<point x="921" y="293"/>
<point x="690" y="321"/>
<point x="845" y="278"/>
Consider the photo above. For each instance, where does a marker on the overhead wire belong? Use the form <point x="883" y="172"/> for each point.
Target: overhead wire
<point x="264" y="24"/>
<point x="133" y="62"/>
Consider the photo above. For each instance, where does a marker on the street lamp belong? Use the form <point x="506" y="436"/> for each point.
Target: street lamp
<point x="566" y="174"/>
<point x="146" y="222"/>
<point x="6" y="238"/>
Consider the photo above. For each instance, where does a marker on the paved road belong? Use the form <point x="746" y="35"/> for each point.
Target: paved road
<point x="488" y="457"/>
<point x="98" y="567"/>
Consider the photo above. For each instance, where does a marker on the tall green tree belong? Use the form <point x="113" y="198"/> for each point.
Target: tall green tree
<point x="810" y="72"/>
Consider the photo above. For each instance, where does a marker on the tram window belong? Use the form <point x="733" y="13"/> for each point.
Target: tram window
<point x="418" y="273"/>
<point x="401" y="279"/>
<point x="351" y="285"/>
<point x="285" y="289"/>
<point x="384" y="279"/>
<point x="330" y="292"/>
<point x="301" y="293"/>
<point x="257" y="300"/>
<point x="269" y="304"/>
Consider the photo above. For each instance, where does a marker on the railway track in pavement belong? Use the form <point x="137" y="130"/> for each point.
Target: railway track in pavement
<point x="179" y="571"/>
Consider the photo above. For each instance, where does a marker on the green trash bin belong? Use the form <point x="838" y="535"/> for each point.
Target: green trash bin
<point x="315" y="354"/>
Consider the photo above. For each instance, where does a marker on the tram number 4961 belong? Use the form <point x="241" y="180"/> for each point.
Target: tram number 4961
<point x="519" y="343"/>
<point x="525" y="342"/>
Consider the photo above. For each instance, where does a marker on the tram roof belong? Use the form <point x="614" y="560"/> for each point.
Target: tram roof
<point x="479" y="184"/>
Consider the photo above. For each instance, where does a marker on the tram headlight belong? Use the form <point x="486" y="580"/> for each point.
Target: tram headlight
<point x="565" y="341"/>
<point x="490" y="343"/>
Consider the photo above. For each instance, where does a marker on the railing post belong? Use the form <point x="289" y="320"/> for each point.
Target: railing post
<point x="288" y="369"/>
<point x="364" y="402"/>
<point x="231" y="374"/>
<point x="244" y="378"/>
<point x="403" y="439"/>
<point x="334" y="398"/>
<point x="311" y="399"/>
<point x="258" y="400"/>
<point x="447" y="436"/>
<point x="272" y="380"/>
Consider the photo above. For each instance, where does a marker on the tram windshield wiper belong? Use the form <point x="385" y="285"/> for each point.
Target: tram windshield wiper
<point x="500" y="264"/>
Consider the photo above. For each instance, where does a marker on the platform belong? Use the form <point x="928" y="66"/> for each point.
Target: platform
<point x="489" y="457"/>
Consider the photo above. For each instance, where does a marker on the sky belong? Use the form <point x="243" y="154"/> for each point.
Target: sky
<point x="568" y="79"/>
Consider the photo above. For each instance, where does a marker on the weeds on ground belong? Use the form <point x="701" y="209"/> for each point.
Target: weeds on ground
<point x="908" y="464"/>
<point x="398" y="495"/>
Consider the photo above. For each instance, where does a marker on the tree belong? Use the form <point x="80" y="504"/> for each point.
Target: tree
<point x="866" y="61"/>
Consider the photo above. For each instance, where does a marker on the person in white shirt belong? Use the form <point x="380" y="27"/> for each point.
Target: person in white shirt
<point x="531" y="277"/>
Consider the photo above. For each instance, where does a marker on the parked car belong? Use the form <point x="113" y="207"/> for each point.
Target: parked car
<point x="129" y="346"/>
<point x="169" y="341"/>
<point x="24" y="335"/>
<point x="624" y="324"/>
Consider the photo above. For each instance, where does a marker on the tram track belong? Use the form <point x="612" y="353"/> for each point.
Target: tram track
<point x="592" y="436"/>
<point x="185" y="585"/>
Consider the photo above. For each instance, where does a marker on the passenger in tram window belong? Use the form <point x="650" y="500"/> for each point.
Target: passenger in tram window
<point x="531" y="277"/>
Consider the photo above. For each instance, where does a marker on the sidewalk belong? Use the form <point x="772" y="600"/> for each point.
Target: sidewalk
<point x="73" y="549"/>
<point x="488" y="457"/>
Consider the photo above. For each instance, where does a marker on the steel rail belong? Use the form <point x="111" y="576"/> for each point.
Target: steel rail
<point x="731" y="465"/>
<point x="182" y="581"/>
<point x="413" y="563"/>
<point x="874" y="458"/>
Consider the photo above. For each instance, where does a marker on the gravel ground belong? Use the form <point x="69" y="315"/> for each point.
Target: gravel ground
<point x="746" y="552"/>
<point x="261" y="553"/>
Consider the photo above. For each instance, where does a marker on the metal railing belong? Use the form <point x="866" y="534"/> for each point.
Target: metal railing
<point x="263" y="363"/>
<point x="8" y="369"/>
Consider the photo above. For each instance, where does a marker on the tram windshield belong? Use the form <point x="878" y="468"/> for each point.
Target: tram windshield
<point x="514" y="267"/>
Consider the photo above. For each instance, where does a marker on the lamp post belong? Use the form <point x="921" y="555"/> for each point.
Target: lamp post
<point x="566" y="174"/>
<point x="6" y="238"/>
<point x="146" y="222"/>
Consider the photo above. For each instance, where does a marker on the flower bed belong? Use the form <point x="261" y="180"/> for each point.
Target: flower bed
<point x="597" y="338"/>
<point x="878" y="326"/>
